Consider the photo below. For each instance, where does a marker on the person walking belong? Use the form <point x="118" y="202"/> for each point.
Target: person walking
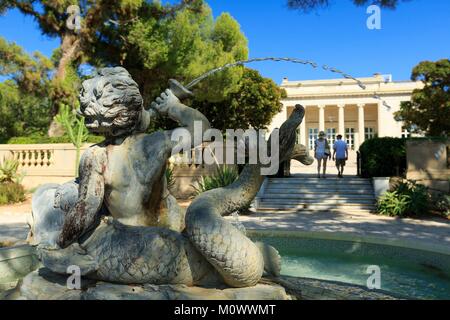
<point x="340" y="154"/>
<point x="322" y="153"/>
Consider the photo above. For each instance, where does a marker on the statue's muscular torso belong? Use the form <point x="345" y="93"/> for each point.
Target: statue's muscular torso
<point x="128" y="177"/>
<point x="126" y="173"/>
<point x="135" y="182"/>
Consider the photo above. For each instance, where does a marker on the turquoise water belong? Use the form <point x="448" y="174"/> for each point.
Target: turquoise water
<point x="412" y="273"/>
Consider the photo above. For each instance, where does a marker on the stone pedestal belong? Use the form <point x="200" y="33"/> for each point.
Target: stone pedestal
<point x="42" y="284"/>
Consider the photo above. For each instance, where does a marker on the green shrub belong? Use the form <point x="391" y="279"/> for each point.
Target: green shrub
<point x="442" y="204"/>
<point x="37" y="139"/>
<point x="383" y="157"/>
<point x="8" y="171"/>
<point x="11" y="192"/>
<point x="392" y="203"/>
<point x="3" y="198"/>
<point x="223" y="177"/>
<point x="408" y="199"/>
<point x="169" y="178"/>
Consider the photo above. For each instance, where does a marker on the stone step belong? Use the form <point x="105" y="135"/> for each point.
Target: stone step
<point x="317" y="201"/>
<point x="327" y="181"/>
<point x="329" y="192"/>
<point x="314" y="177"/>
<point x="325" y="210"/>
<point x="317" y="196"/>
<point x="275" y="202"/>
<point x="298" y="189"/>
<point x="323" y="183"/>
<point x="299" y="193"/>
<point x="315" y="207"/>
<point x="319" y="186"/>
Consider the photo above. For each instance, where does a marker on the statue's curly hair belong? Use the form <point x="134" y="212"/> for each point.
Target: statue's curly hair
<point x="128" y="90"/>
<point x="116" y="111"/>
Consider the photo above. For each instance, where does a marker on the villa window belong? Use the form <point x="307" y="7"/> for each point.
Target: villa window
<point x="331" y="135"/>
<point x="369" y="133"/>
<point x="312" y="137"/>
<point x="350" y="137"/>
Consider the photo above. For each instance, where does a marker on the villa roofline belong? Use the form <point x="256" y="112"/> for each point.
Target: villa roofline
<point x="375" y="79"/>
<point x="354" y="94"/>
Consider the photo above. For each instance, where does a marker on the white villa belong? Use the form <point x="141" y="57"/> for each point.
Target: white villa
<point x="341" y="106"/>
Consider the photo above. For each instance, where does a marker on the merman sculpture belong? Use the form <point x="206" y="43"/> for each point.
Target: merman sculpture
<point x="120" y="224"/>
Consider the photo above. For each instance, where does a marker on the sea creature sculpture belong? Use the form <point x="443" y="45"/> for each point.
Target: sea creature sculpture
<point x="119" y="223"/>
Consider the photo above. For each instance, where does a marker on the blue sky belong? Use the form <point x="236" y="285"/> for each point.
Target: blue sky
<point x="337" y="36"/>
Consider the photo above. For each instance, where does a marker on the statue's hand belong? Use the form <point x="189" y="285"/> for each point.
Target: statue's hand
<point x="164" y="102"/>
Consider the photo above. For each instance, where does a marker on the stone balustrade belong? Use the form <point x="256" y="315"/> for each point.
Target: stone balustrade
<point x="55" y="163"/>
<point x="42" y="163"/>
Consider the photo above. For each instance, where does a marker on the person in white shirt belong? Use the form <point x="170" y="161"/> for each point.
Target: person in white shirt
<point x="321" y="153"/>
<point x="340" y="154"/>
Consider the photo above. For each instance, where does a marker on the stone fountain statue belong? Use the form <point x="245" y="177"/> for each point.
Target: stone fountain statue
<point x="118" y="222"/>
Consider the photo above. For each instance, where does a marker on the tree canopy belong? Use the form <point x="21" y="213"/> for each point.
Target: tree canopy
<point x="254" y="104"/>
<point x="24" y="102"/>
<point x="100" y="19"/>
<point x="185" y="45"/>
<point x="21" y="114"/>
<point x="429" y="108"/>
<point x="30" y="73"/>
<point x="154" y="42"/>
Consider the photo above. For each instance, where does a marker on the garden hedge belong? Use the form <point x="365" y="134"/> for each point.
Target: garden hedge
<point x="47" y="140"/>
<point x="383" y="157"/>
<point x="11" y="192"/>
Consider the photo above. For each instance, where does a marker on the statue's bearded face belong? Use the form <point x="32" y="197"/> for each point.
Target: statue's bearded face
<point x="110" y="102"/>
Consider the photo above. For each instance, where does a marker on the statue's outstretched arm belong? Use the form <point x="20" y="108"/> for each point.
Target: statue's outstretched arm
<point x="90" y="197"/>
<point x="169" y="105"/>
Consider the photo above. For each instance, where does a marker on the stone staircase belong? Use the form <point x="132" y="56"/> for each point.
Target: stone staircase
<point x="307" y="192"/>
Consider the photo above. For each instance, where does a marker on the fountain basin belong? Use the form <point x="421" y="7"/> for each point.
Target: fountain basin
<point x="409" y="270"/>
<point x="315" y="266"/>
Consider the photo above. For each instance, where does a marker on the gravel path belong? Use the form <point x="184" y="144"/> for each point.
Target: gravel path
<point x="431" y="233"/>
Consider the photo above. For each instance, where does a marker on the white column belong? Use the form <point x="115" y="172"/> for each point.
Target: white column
<point x="341" y="120"/>
<point x="361" y="132"/>
<point x="321" y="117"/>
<point x="380" y="131"/>
<point x="303" y="131"/>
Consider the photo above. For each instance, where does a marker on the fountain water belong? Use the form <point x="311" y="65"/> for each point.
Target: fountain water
<point x="277" y="59"/>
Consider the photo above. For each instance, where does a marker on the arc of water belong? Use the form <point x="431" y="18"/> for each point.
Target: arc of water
<point x="293" y="60"/>
<point x="242" y="62"/>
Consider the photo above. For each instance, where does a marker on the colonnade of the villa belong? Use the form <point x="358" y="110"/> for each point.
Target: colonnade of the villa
<point x="354" y="122"/>
<point x="341" y="106"/>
